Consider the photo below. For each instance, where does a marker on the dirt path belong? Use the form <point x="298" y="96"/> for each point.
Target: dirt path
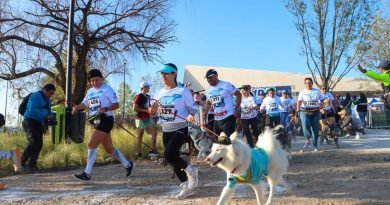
<point x="315" y="178"/>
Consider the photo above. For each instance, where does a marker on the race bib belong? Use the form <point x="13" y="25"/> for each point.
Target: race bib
<point x="217" y="101"/>
<point x="312" y="103"/>
<point x="94" y="104"/>
<point x="167" y="114"/>
<point x="273" y="107"/>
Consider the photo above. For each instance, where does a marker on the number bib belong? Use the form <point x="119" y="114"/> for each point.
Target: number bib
<point x="94" y="104"/>
<point x="167" y="114"/>
<point x="273" y="107"/>
<point x="216" y="100"/>
<point x="312" y="103"/>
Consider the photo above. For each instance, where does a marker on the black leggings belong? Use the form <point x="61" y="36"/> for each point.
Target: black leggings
<point x="172" y="143"/>
<point x="272" y="121"/>
<point x="254" y="124"/>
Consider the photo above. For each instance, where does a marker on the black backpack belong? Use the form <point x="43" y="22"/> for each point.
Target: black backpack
<point x="23" y="105"/>
<point x="2" y="120"/>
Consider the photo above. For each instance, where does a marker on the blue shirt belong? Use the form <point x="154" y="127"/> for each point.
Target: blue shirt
<point x="38" y="107"/>
<point x="257" y="169"/>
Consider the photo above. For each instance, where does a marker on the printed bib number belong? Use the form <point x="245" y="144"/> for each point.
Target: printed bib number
<point x="273" y="107"/>
<point x="94" y="104"/>
<point x="312" y="103"/>
<point x="217" y="101"/>
<point x="167" y="114"/>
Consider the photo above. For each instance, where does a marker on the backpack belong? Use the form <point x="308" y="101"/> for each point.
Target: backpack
<point x="2" y="120"/>
<point x="23" y="105"/>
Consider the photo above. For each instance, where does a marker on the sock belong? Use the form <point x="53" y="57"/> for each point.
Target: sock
<point x="90" y="161"/>
<point x="118" y="156"/>
<point x="5" y="155"/>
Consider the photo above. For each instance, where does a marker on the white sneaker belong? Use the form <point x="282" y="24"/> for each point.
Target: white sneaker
<point x="192" y="177"/>
<point x="16" y="159"/>
<point x="347" y="136"/>
<point x="357" y="136"/>
<point x="185" y="191"/>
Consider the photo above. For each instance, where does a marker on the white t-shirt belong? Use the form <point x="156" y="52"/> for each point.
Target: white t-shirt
<point x="247" y="107"/>
<point x="288" y="104"/>
<point x="272" y="106"/>
<point x="221" y="97"/>
<point x="326" y="101"/>
<point x="310" y="98"/>
<point x="175" y="102"/>
<point x="104" y="96"/>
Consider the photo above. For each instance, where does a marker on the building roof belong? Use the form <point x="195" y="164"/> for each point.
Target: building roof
<point x="238" y="76"/>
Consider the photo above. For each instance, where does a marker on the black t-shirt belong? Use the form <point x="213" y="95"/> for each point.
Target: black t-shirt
<point x="143" y="102"/>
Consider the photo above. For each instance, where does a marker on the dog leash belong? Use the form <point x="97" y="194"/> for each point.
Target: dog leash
<point x="197" y="124"/>
<point x="119" y="125"/>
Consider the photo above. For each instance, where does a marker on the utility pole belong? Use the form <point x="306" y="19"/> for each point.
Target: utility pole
<point x="124" y="89"/>
<point x="68" y="96"/>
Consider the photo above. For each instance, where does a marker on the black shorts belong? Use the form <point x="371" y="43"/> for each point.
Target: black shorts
<point x="328" y="114"/>
<point x="106" y="124"/>
<point x="227" y="125"/>
<point x="210" y="123"/>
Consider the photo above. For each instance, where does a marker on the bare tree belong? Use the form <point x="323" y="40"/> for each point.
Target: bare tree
<point x="378" y="42"/>
<point x="33" y="37"/>
<point x="332" y="33"/>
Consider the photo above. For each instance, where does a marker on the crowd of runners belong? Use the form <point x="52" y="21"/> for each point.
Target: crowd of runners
<point x="319" y="114"/>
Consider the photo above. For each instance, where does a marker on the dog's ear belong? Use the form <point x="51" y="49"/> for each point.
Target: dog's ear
<point x="233" y="136"/>
<point x="223" y="139"/>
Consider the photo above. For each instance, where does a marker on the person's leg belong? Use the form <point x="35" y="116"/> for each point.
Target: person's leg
<point x="247" y="132"/>
<point x="29" y="148"/>
<point x="306" y="126"/>
<point x="276" y="121"/>
<point x="35" y="142"/>
<point x="140" y="134"/>
<point x="229" y="125"/>
<point x="96" y="138"/>
<point x="153" y="132"/>
<point x="255" y="128"/>
<point x="217" y="126"/>
<point x="173" y="142"/>
<point x="315" y="125"/>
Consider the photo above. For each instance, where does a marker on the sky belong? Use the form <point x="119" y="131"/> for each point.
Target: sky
<point x="225" y="33"/>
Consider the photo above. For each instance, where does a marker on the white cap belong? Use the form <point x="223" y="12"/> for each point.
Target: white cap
<point x="144" y="84"/>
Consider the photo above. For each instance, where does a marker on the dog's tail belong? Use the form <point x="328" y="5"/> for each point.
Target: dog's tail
<point x="268" y="141"/>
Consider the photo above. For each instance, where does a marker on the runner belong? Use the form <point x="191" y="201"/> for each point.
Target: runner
<point x="249" y="110"/>
<point x="174" y="104"/>
<point x="384" y="77"/>
<point x="285" y="117"/>
<point x="220" y="96"/>
<point x="144" y="120"/>
<point x="270" y="106"/>
<point x="308" y="107"/>
<point x="328" y="119"/>
<point x="101" y="100"/>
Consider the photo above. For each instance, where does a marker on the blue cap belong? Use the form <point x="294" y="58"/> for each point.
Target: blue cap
<point x="385" y="64"/>
<point x="167" y="69"/>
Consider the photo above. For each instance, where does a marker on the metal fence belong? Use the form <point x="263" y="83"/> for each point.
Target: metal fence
<point x="377" y="119"/>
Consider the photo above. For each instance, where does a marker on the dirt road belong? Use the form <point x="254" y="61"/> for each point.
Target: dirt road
<point x="328" y="177"/>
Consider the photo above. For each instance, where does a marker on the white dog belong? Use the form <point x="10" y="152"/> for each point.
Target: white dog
<point x="245" y="165"/>
<point x="202" y="141"/>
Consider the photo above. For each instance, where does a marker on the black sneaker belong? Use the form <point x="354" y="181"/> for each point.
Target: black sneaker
<point x="387" y="158"/>
<point x="83" y="176"/>
<point x="129" y="169"/>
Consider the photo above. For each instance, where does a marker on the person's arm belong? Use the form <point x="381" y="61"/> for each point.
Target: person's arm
<point x="190" y="105"/>
<point x="263" y="105"/>
<point x="238" y="104"/>
<point x="36" y="107"/>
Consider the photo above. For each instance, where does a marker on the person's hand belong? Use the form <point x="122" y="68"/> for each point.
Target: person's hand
<point x="103" y="109"/>
<point x="190" y="118"/>
<point x="361" y="69"/>
<point x="75" y="109"/>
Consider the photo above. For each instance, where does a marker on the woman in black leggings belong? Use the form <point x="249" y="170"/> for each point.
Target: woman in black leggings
<point x="176" y="108"/>
<point x="249" y="110"/>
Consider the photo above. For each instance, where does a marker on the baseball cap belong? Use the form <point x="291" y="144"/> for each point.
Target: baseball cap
<point x="284" y="92"/>
<point x="245" y="87"/>
<point x="210" y="73"/>
<point x="144" y="84"/>
<point x="385" y="64"/>
<point x="167" y="69"/>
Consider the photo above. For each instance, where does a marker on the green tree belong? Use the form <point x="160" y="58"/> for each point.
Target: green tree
<point x="332" y="31"/>
<point x="126" y="99"/>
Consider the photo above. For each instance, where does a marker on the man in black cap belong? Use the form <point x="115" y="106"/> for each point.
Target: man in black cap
<point x="384" y="77"/>
<point x="220" y="95"/>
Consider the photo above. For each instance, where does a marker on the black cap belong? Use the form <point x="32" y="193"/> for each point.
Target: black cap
<point x="210" y="73"/>
<point x="385" y="64"/>
<point x="245" y="87"/>
<point x="94" y="73"/>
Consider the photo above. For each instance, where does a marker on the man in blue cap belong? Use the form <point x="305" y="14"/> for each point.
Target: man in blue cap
<point x="220" y="96"/>
<point x="384" y="77"/>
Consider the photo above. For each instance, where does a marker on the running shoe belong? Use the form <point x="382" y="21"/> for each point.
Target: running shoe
<point x="307" y="144"/>
<point x="185" y="191"/>
<point x="316" y="149"/>
<point x="129" y="169"/>
<point x="387" y="158"/>
<point x="153" y="153"/>
<point x="192" y="178"/>
<point x="16" y="159"/>
<point x="83" y="176"/>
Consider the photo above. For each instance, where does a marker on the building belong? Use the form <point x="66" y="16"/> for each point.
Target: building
<point x="261" y="78"/>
